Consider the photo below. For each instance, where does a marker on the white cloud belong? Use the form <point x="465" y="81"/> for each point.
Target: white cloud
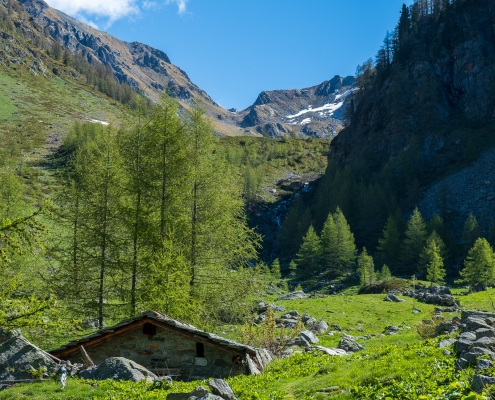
<point x="182" y="4"/>
<point x="147" y="4"/>
<point x="86" y="21"/>
<point x="111" y="9"/>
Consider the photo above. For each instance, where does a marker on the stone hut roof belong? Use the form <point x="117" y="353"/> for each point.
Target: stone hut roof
<point x="260" y="357"/>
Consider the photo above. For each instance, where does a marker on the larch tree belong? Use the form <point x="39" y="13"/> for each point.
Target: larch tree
<point x="415" y="239"/>
<point x="389" y="245"/>
<point x="346" y="247"/>
<point x="435" y="272"/>
<point x="479" y="264"/>
<point x="366" y="268"/>
<point x="308" y="258"/>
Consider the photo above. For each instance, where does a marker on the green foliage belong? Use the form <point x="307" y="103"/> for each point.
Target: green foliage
<point x="309" y="256"/>
<point x="414" y="241"/>
<point x="479" y="264"/>
<point x="275" y="269"/>
<point x="471" y="232"/>
<point x="389" y="245"/>
<point x="384" y="274"/>
<point x="366" y="268"/>
<point x="346" y="248"/>
<point x="435" y="272"/>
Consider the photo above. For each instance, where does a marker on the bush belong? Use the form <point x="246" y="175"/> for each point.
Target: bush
<point x="385" y="286"/>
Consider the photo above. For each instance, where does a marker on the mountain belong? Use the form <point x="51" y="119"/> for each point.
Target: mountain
<point x="138" y="65"/>
<point x="420" y="133"/>
<point x="316" y="111"/>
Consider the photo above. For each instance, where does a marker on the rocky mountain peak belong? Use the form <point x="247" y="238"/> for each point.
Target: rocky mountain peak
<point x="315" y="111"/>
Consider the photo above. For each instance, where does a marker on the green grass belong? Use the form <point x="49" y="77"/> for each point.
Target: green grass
<point x="398" y="366"/>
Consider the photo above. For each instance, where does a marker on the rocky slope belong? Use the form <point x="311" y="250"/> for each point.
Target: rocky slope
<point x="316" y="111"/>
<point x="142" y="67"/>
<point x="444" y="80"/>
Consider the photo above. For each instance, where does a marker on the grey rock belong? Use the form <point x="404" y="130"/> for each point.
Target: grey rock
<point x="330" y="352"/>
<point x="305" y="317"/>
<point x="262" y="307"/>
<point x="446" y="343"/>
<point x="392" y="330"/>
<point x="446" y="327"/>
<point x="309" y="337"/>
<point x="222" y="389"/>
<point x="336" y="327"/>
<point x="447" y="353"/>
<point x="484" y="364"/>
<point x="393" y="298"/>
<point x="433" y="295"/>
<point x="260" y="318"/>
<point x="462" y="345"/>
<point x="485" y="332"/>
<point x="475" y="323"/>
<point x="294" y="296"/>
<point x="320" y="327"/>
<point x="18" y="357"/>
<point x="468" y="336"/>
<point x="485" y="342"/>
<point x="472" y="354"/>
<point x="311" y="321"/>
<point x="292" y="313"/>
<point x="199" y="392"/>
<point x="298" y="341"/>
<point x="479" y="382"/>
<point x="208" y="396"/>
<point x="118" y="368"/>
<point x="350" y="346"/>
<point x="461" y="363"/>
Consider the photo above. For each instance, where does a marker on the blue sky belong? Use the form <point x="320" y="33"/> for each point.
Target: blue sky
<point x="234" y="49"/>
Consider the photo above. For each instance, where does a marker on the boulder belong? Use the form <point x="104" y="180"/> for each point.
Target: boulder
<point x="305" y="317"/>
<point x="221" y="388"/>
<point x="471" y="355"/>
<point x="199" y="392"/>
<point x="462" y="345"/>
<point x="484" y="364"/>
<point x="392" y="330"/>
<point x="118" y="368"/>
<point x="19" y="358"/>
<point x="330" y="352"/>
<point x="298" y="341"/>
<point x="479" y="382"/>
<point x="349" y="345"/>
<point x="311" y="322"/>
<point x="294" y="296"/>
<point x="446" y="343"/>
<point x="393" y="298"/>
<point x="433" y="295"/>
<point x="320" y="327"/>
<point x="309" y="337"/>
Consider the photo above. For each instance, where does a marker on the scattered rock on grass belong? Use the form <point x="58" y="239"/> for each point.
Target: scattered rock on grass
<point x="349" y="345"/>
<point x="393" y="298"/>
<point x="294" y="296"/>
<point x="118" y="368"/>
<point x="221" y="388"/>
<point x="309" y="337"/>
<point x="320" y="327"/>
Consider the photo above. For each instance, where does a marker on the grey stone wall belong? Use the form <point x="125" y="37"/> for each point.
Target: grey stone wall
<point x="167" y="351"/>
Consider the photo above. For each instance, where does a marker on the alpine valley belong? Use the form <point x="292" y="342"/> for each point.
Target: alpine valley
<point x="334" y="241"/>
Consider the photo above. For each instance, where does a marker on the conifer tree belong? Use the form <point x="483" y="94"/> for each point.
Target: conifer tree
<point x="366" y="268"/>
<point x="389" y="245"/>
<point x="471" y="232"/>
<point x="435" y="273"/>
<point x="425" y="257"/>
<point x="414" y="242"/>
<point x="329" y="243"/>
<point x="309" y="256"/>
<point x="346" y="247"/>
<point x="385" y="274"/>
<point x="479" y="264"/>
<point x="275" y="270"/>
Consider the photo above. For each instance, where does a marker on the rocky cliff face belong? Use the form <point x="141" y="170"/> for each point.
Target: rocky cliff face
<point x="316" y="111"/>
<point x="136" y="64"/>
<point x="446" y="80"/>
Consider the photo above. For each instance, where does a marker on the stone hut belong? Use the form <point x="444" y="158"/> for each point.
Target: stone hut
<point x="169" y="347"/>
